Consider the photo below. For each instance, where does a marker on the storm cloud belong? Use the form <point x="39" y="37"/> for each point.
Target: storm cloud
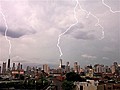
<point x="16" y="34"/>
<point x="34" y="27"/>
<point x="83" y="35"/>
<point x="80" y="31"/>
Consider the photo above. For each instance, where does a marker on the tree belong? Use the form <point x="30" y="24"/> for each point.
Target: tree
<point x="16" y="75"/>
<point x="72" y="76"/>
<point x="68" y="85"/>
<point x="22" y="77"/>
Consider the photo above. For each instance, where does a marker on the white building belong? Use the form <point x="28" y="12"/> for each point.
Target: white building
<point x="76" y="67"/>
<point x="46" y="68"/>
<point x="99" y="68"/>
<point x="89" y="85"/>
<point x="67" y="67"/>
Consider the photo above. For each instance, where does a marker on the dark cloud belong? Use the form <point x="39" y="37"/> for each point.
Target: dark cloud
<point x="79" y="32"/>
<point x="16" y="34"/>
<point x="83" y="35"/>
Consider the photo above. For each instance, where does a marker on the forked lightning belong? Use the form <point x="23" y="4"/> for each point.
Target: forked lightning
<point x="6" y="29"/>
<point x="75" y="16"/>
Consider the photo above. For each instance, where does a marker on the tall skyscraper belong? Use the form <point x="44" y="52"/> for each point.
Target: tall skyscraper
<point x="8" y="68"/>
<point x="0" y="69"/>
<point x="60" y="66"/>
<point x="29" y="69"/>
<point x="76" y="67"/>
<point x="116" y="65"/>
<point x="4" y="68"/>
<point x="67" y="68"/>
<point x="13" y="68"/>
<point x="46" y="68"/>
<point x="18" y="67"/>
<point x="21" y="66"/>
<point x="113" y="68"/>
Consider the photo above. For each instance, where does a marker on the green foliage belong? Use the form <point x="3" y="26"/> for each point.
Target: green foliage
<point x="16" y="75"/>
<point x="67" y="85"/>
<point x="72" y="76"/>
<point x="22" y="77"/>
<point x="28" y="84"/>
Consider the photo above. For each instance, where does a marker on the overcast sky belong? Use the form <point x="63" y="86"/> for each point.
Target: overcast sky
<point x="34" y="27"/>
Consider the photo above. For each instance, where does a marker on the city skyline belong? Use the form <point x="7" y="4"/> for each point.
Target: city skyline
<point x="8" y="66"/>
<point x="34" y="27"/>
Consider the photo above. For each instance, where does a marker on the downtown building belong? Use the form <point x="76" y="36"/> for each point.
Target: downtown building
<point x="4" y="68"/>
<point x="76" y="67"/>
<point x="46" y="68"/>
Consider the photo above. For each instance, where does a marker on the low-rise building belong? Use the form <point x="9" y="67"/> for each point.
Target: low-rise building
<point x="89" y="85"/>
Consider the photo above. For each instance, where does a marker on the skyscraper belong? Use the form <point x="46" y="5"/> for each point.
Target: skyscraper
<point x="13" y="68"/>
<point x="113" y="68"/>
<point x="8" y="68"/>
<point x="46" y="68"/>
<point x="116" y="65"/>
<point x="67" y="68"/>
<point x="21" y="66"/>
<point x="4" y="68"/>
<point x="76" y="67"/>
<point x="0" y="69"/>
<point x="18" y="67"/>
<point x="60" y="66"/>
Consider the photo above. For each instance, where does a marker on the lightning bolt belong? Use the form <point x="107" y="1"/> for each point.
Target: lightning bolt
<point x="6" y="29"/>
<point x="103" y="2"/>
<point x="59" y="37"/>
<point x="75" y="16"/>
